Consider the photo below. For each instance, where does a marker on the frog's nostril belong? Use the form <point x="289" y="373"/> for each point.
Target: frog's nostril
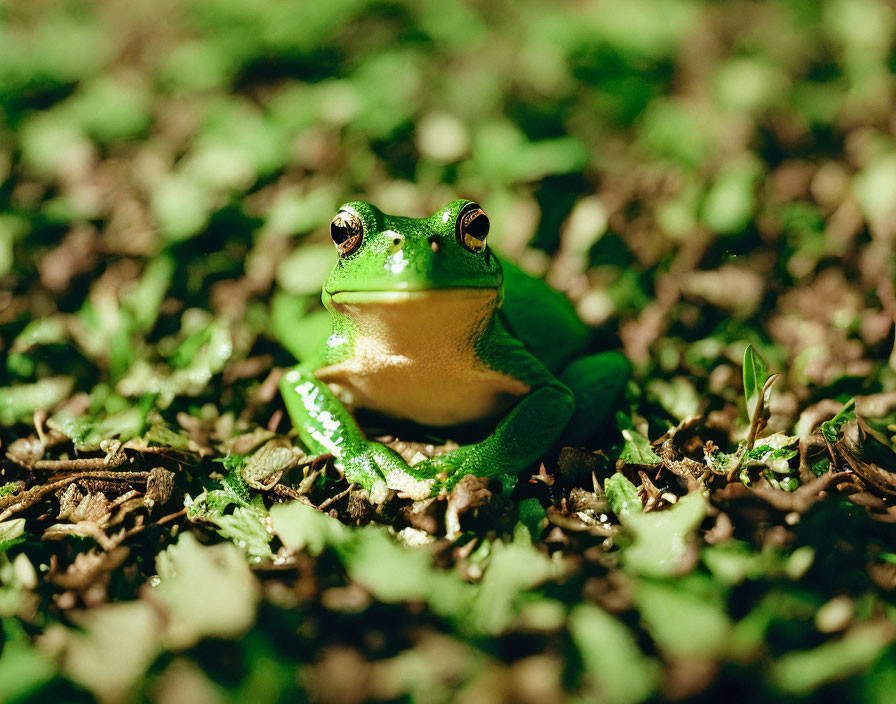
<point x="396" y="241"/>
<point x="434" y="243"/>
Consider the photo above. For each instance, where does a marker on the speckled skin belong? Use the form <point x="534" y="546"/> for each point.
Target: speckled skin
<point x="419" y="333"/>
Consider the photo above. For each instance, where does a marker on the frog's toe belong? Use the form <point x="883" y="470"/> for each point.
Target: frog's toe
<point x="409" y="486"/>
<point x="379" y="492"/>
<point x="448" y="470"/>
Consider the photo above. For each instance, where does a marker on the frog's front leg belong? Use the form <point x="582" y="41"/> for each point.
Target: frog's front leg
<point x="324" y="425"/>
<point x="520" y="439"/>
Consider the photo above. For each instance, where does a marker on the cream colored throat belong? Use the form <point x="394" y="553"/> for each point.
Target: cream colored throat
<point x="414" y="356"/>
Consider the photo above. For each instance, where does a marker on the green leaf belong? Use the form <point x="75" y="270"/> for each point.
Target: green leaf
<point x="678" y="396"/>
<point x="622" y="496"/>
<point x="161" y="435"/>
<point x="684" y="621"/>
<point x="617" y="671"/>
<point x="209" y="591"/>
<point x="821" y="467"/>
<point x="236" y="489"/>
<point x="12" y="532"/>
<point x="661" y="540"/>
<point x="18" y="403"/>
<point x="774" y="454"/>
<point x="145" y="299"/>
<point x="514" y="568"/>
<point x="802" y="672"/>
<point x="247" y="528"/>
<point x="275" y="457"/>
<point x="23" y="668"/>
<point x="373" y="560"/>
<point x="12" y="529"/>
<point x="755" y="373"/>
<point x="731" y="200"/>
<point x="637" y="449"/>
<point x="830" y="429"/>
<point x="302" y="527"/>
<point x="112" y="649"/>
<point x="87" y="432"/>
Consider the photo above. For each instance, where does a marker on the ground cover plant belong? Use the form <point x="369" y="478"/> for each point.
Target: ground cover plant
<point x="713" y="184"/>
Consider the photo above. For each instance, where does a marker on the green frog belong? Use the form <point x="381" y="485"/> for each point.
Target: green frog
<point x="428" y="327"/>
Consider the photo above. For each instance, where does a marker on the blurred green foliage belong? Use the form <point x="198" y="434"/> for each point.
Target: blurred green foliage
<point x="695" y="175"/>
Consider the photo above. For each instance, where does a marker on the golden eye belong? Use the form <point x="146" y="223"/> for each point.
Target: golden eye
<point x="346" y="231"/>
<point x="472" y="227"/>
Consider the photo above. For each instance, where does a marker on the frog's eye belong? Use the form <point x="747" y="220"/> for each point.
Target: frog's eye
<point x="346" y="231"/>
<point x="472" y="227"/>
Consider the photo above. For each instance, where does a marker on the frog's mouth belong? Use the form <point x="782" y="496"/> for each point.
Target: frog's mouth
<point x="402" y="320"/>
<point x="434" y="295"/>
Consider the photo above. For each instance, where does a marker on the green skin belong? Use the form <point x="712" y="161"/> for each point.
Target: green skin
<point x="520" y="333"/>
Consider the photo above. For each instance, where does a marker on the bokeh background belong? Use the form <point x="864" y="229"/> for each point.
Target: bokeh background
<point x="695" y="176"/>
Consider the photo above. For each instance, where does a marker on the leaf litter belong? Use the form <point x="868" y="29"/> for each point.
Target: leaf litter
<point x="162" y="532"/>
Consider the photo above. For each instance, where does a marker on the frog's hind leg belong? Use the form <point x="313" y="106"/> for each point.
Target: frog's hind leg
<point x="597" y="383"/>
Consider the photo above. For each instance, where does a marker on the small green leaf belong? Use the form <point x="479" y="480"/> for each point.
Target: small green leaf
<point x="637" y="449"/>
<point x="274" y="458"/>
<point x="160" y="435"/>
<point x="114" y="645"/>
<point x="755" y="375"/>
<point x="12" y="529"/>
<point x="617" y="670"/>
<point x="802" y="672"/>
<point x="374" y="558"/>
<point x="208" y="590"/>
<point x="830" y="429"/>
<point x="821" y="467"/>
<point x="87" y="432"/>
<point x="685" y="622"/>
<point x="236" y="489"/>
<point x="304" y="527"/>
<point x="12" y="532"/>
<point x="514" y="568"/>
<point x="19" y="402"/>
<point x="247" y="528"/>
<point x="24" y="668"/>
<point x="622" y="496"/>
<point x="661" y="540"/>
<point x="231" y="462"/>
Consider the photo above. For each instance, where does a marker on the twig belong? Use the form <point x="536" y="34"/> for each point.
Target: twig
<point x="164" y="519"/>
<point x="333" y="499"/>
<point x="87" y="463"/>
<point x="127" y="496"/>
<point x="170" y="517"/>
<point x="37" y="493"/>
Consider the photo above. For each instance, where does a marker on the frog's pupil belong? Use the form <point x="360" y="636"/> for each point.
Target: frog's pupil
<point x="478" y="227"/>
<point x="344" y="228"/>
<point x="339" y="232"/>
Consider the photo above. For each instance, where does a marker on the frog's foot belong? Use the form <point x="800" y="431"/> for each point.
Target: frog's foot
<point x="380" y="470"/>
<point x="444" y="471"/>
<point x="409" y="486"/>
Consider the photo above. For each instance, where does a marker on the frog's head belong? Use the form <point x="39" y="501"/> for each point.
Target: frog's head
<point x="381" y="254"/>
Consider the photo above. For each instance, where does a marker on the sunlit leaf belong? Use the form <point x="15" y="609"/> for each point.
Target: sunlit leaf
<point x="755" y="374"/>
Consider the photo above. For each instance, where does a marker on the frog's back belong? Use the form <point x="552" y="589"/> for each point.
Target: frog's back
<point x="542" y="318"/>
